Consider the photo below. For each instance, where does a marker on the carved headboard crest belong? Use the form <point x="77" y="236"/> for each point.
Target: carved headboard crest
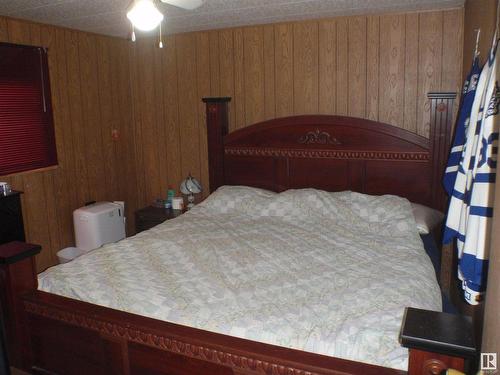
<point x="318" y="137"/>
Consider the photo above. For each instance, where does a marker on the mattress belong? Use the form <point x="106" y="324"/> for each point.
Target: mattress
<point x="329" y="273"/>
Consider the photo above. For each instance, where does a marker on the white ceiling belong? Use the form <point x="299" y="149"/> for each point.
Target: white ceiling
<point x="108" y="16"/>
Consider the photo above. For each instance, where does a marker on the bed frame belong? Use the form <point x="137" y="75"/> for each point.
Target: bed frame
<point x="332" y="153"/>
<point x="47" y="333"/>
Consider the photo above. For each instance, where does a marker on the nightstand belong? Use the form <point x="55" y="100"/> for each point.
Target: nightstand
<point x="148" y="217"/>
<point x="437" y="341"/>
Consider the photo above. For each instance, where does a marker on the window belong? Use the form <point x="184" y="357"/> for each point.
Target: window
<point x="26" y="125"/>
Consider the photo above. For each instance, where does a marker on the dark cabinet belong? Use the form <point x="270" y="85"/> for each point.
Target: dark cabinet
<point x="11" y="218"/>
<point x="11" y="229"/>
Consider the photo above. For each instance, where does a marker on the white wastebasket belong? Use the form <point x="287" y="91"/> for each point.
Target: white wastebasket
<point x="68" y="254"/>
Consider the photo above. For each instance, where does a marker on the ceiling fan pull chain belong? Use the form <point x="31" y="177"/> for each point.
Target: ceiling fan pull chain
<point x="160" y="44"/>
<point x="132" y="35"/>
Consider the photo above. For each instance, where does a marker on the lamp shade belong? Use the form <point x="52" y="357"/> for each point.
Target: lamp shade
<point x="190" y="186"/>
<point x="144" y="15"/>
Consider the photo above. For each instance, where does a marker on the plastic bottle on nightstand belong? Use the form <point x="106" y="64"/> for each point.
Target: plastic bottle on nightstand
<point x="170" y="196"/>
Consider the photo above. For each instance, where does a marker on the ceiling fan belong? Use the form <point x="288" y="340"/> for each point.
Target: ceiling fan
<point x="184" y="4"/>
<point x="145" y="16"/>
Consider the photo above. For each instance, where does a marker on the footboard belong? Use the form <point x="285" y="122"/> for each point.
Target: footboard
<point x="70" y="336"/>
<point x="48" y="333"/>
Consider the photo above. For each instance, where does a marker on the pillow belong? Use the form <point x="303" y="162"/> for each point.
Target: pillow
<point x="427" y="218"/>
<point x="229" y="198"/>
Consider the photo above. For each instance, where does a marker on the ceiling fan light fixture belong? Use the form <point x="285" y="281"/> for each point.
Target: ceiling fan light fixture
<point x="185" y="4"/>
<point x="144" y="15"/>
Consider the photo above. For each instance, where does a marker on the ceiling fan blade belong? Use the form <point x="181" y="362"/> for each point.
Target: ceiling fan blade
<point x="185" y="4"/>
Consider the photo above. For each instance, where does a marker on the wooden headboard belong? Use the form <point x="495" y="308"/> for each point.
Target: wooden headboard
<point x="331" y="153"/>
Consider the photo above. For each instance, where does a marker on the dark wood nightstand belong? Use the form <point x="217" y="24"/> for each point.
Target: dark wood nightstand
<point x="148" y="217"/>
<point x="438" y="341"/>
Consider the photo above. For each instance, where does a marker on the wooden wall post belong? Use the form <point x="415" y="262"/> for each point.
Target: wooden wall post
<point x="217" y="128"/>
<point x="441" y="125"/>
<point x="17" y="276"/>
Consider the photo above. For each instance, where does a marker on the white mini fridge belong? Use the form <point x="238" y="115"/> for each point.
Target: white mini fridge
<point x="98" y="224"/>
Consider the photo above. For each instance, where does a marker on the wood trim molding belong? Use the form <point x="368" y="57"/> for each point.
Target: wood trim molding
<point x="169" y="343"/>
<point x="335" y="154"/>
<point x="31" y="171"/>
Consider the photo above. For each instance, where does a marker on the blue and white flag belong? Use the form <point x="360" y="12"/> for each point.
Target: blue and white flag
<point x="471" y="204"/>
<point x="468" y="95"/>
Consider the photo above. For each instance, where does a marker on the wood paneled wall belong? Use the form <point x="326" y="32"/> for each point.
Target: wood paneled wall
<point x="89" y="78"/>
<point x="479" y="14"/>
<point x="378" y="67"/>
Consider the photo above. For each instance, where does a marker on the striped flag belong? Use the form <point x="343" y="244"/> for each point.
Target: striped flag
<point x="468" y="95"/>
<point x="471" y="203"/>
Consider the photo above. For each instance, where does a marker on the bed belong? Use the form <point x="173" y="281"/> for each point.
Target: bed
<point x="341" y="155"/>
<point x="328" y="273"/>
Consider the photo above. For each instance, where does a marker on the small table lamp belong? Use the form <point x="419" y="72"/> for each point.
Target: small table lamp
<point x="190" y="186"/>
